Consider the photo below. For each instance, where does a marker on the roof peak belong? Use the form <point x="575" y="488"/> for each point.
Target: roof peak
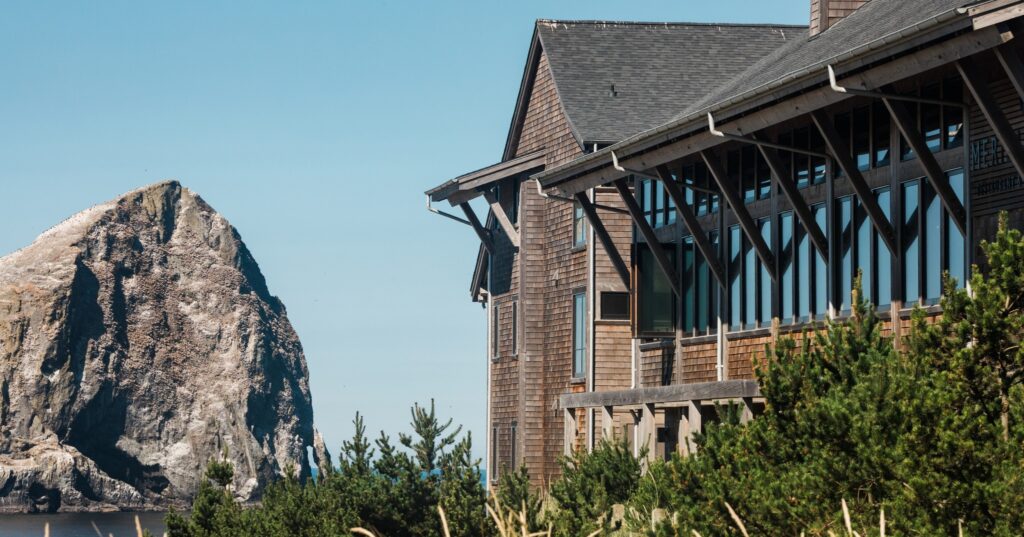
<point x="591" y="22"/>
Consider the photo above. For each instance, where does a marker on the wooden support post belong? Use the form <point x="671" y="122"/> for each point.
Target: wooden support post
<point x="936" y="176"/>
<point x="590" y="211"/>
<point x="569" y="423"/>
<point x="649" y="430"/>
<point x="607" y="423"/>
<point x="740" y="210"/>
<point x="481" y="231"/>
<point x="978" y="87"/>
<point x="800" y="207"/>
<point x="694" y="425"/>
<point x="747" y="409"/>
<point x="1013" y="66"/>
<point x="652" y="240"/>
<point x="839" y="148"/>
<point x="503" y="220"/>
<point x="682" y="433"/>
<point x="690" y="220"/>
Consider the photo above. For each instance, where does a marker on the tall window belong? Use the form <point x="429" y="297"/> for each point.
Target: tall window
<point x="495" y="332"/>
<point x="656" y="301"/>
<point x="942" y="126"/>
<point x="515" y="327"/>
<point x="787" y="266"/>
<point x="658" y="208"/>
<point x="512" y="444"/>
<point x="820" y="279"/>
<point x="494" y="455"/>
<point x="931" y="242"/>
<point x="699" y="294"/>
<point x="579" y="226"/>
<point x="862" y="250"/>
<point x="579" y="335"/>
<point x="750" y="283"/>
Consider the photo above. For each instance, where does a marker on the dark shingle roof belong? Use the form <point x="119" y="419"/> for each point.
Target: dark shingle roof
<point x="657" y="69"/>
<point x="875" y="20"/>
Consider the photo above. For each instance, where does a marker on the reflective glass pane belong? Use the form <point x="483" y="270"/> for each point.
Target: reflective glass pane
<point x="749" y="284"/>
<point x="701" y="291"/>
<point x="803" y="273"/>
<point x="764" y="178"/>
<point x="883" y="259"/>
<point x="880" y="134"/>
<point x="953" y="116"/>
<point x="735" y="277"/>
<point x="786" y="265"/>
<point x="955" y="240"/>
<point x="844" y="236"/>
<point x="820" y="267"/>
<point x="801" y="172"/>
<point x="579" y="334"/>
<point x="911" y="242"/>
<point x="712" y="288"/>
<point x="765" y="316"/>
<point x="864" y="258"/>
<point x="657" y="304"/>
<point x="748" y="170"/>
<point x="861" y="137"/>
<point x="689" y="292"/>
<point x="932" y="243"/>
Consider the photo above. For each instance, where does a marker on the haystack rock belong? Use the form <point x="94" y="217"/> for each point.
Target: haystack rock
<point x="138" y="340"/>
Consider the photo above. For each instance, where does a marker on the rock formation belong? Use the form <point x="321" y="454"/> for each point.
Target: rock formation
<point x="138" y="340"/>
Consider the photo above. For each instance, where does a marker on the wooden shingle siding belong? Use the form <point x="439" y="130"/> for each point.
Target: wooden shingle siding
<point x="696" y="362"/>
<point x="826" y="13"/>
<point x="550" y="271"/>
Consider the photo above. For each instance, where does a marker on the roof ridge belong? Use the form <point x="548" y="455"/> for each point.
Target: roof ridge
<point x="667" y="23"/>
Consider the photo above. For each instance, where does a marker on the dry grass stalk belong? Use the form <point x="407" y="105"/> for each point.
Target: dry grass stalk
<point x="138" y="527"/>
<point x="595" y="533"/>
<point x="736" y="518"/>
<point x="695" y="534"/>
<point x="881" y="523"/>
<point x="46" y="530"/>
<point x="96" y="529"/>
<point x="444" y="521"/>
<point x="362" y="531"/>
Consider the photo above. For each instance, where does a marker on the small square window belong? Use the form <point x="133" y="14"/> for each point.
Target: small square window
<point x="614" y="305"/>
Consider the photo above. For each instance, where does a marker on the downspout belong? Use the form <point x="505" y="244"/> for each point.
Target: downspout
<point x="431" y="208"/>
<point x="592" y="336"/>
<point x="487" y="430"/>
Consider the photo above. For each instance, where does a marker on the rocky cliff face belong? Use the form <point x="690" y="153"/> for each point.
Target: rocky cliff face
<point x="138" y="340"/>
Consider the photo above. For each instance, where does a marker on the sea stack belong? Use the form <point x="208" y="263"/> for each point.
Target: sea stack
<point x="138" y="341"/>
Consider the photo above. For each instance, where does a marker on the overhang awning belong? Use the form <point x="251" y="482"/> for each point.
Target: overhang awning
<point x="468" y="186"/>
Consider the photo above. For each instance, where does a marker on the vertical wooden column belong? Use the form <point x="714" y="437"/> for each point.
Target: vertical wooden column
<point x="673" y="424"/>
<point x="693" y="425"/>
<point x="747" y="409"/>
<point x="648" y="429"/>
<point x="607" y="423"/>
<point x="569" y="424"/>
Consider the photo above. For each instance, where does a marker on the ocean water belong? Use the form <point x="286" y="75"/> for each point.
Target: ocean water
<point x="80" y="524"/>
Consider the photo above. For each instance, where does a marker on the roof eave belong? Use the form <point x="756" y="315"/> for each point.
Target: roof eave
<point x="697" y="121"/>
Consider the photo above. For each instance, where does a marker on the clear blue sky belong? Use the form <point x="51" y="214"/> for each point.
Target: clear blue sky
<point x="314" y="127"/>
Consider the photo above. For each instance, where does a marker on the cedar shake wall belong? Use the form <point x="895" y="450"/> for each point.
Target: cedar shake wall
<point x="550" y="271"/>
<point x="613" y="339"/>
<point x="994" y="183"/>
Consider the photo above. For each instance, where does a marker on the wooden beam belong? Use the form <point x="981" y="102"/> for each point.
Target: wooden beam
<point x="503" y="219"/>
<point x="694" y="425"/>
<point x="590" y="211"/>
<point x="978" y="86"/>
<point x="747" y="223"/>
<point x="676" y="393"/>
<point x="648" y="430"/>
<point x="1012" y="64"/>
<point x="652" y="240"/>
<point x="689" y="138"/>
<point x="569" y="430"/>
<point x="607" y="423"/>
<point x="481" y="231"/>
<point x="800" y="207"/>
<point x="934" y="172"/>
<point x="690" y="220"/>
<point x="839" y="148"/>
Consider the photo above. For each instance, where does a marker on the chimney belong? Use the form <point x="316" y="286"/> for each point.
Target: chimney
<point x="825" y="13"/>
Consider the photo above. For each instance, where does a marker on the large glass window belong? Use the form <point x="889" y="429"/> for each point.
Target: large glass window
<point x="495" y="331"/>
<point x="579" y="334"/>
<point x="955" y="248"/>
<point x="657" y="304"/>
<point x="880" y="137"/>
<point x="699" y="290"/>
<point x="861" y="137"/>
<point x="931" y="242"/>
<point x="911" y="242"/>
<point x="735" y="278"/>
<point x="512" y="430"/>
<point x="750" y="266"/>
<point x="844" y="246"/>
<point x="820" y="267"/>
<point x="579" y="226"/>
<point x="765" y="284"/>
<point x="689" y="320"/>
<point x="786" y="266"/>
<point x="805" y="283"/>
<point x="882" y="293"/>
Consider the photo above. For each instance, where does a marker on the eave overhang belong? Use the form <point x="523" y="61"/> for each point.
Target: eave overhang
<point x="468" y="186"/>
<point x="758" y="107"/>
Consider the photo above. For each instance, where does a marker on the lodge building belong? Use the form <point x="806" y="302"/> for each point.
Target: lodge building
<point x="673" y="197"/>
